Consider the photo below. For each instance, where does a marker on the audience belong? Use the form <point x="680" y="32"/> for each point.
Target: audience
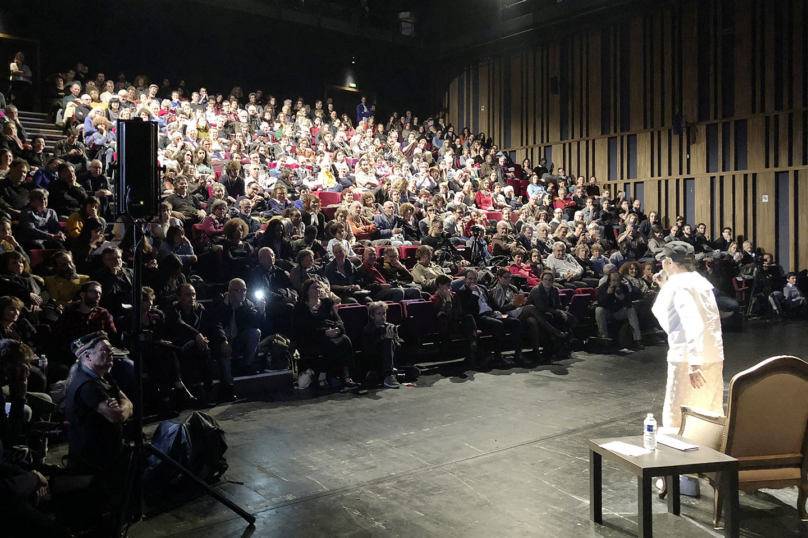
<point x="282" y="214"/>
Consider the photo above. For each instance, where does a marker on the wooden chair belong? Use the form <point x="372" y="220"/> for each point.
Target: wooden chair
<point x="765" y="429"/>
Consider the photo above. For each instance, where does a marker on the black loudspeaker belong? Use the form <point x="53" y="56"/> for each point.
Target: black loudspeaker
<point x="138" y="180"/>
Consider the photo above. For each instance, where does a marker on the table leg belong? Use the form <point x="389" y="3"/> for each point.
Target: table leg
<point x="644" y="505"/>
<point x="595" y="487"/>
<point x="673" y="494"/>
<point x="729" y="477"/>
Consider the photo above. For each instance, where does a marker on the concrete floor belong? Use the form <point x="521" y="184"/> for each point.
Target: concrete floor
<point x="502" y="454"/>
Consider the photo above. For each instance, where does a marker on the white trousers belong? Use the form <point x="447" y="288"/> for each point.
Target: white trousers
<point x="680" y="392"/>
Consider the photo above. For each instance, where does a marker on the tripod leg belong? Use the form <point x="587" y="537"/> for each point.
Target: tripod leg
<point x="246" y="516"/>
<point x="132" y="508"/>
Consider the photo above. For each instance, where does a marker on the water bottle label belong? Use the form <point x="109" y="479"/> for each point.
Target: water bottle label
<point x="649" y="428"/>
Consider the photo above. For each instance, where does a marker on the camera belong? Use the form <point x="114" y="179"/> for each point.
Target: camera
<point x="259" y="295"/>
<point x="444" y="235"/>
<point x="477" y="230"/>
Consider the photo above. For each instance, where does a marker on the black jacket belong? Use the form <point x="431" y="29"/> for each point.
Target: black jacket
<point x="64" y="199"/>
<point x="275" y="282"/>
<point x="248" y="316"/>
<point x="611" y="301"/>
<point x="183" y="327"/>
<point x="545" y="301"/>
<point x="470" y="303"/>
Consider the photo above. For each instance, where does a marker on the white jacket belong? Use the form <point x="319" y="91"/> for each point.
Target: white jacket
<point x="687" y="311"/>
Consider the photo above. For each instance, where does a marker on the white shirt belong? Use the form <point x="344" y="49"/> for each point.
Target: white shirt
<point x="687" y="311"/>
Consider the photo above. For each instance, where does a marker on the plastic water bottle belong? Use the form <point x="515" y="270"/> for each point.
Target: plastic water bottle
<point x="649" y="428"/>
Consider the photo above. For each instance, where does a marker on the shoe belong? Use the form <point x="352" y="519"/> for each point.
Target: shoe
<point x="304" y="379"/>
<point x="523" y="361"/>
<point x="390" y="382"/>
<point x="226" y="394"/>
<point x="349" y="383"/>
<point x="638" y="346"/>
<point x="506" y="362"/>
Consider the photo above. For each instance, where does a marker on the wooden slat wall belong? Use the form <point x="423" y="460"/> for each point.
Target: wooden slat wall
<point x="663" y="81"/>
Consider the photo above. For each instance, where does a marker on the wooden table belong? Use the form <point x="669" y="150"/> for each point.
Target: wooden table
<point x="665" y="462"/>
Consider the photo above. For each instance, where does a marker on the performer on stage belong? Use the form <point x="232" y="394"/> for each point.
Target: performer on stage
<point x="687" y="311"/>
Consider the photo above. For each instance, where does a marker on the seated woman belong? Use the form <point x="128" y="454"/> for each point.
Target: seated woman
<point x="17" y="281"/>
<point x="217" y="192"/>
<point x="536" y="264"/>
<point x="534" y="188"/>
<point x="163" y="221"/>
<point x="39" y="226"/>
<point x="90" y="210"/>
<point x="484" y="199"/>
<point x="412" y="230"/>
<point x="178" y="244"/>
<point x="167" y="280"/>
<point x="274" y="238"/>
<point x="506" y="300"/>
<point x="213" y="225"/>
<point x="202" y="162"/>
<point x="362" y="228"/>
<point x="312" y="216"/>
<point x="317" y="327"/>
<point x="236" y="253"/>
<point x="337" y="232"/>
<point x="519" y="268"/>
<point x="84" y="246"/>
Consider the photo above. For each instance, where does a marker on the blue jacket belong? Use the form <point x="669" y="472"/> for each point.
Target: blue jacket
<point x="35" y="226"/>
<point x="362" y="112"/>
<point x="336" y="278"/>
<point x="385" y="225"/>
<point x="43" y="177"/>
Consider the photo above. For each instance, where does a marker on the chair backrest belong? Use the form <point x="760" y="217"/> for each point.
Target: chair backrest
<point x="355" y="317"/>
<point x="329" y="198"/>
<point x="578" y="306"/>
<point x="395" y="313"/>
<point x="566" y="296"/>
<point x="768" y="414"/>
<point x="39" y="256"/>
<point x="421" y="318"/>
<point x="407" y="255"/>
<point x="494" y="215"/>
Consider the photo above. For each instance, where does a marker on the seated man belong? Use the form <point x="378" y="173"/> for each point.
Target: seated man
<point x="475" y="300"/>
<point x="14" y="189"/>
<point x="71" y="150"/>
<point x="547" y="300"/>
<point x="96" y="183"/>
<point x="64" y="284"/>
<point x="116" y="281"/>
<point x="66" y="195"/>
<point x="186" y="203"/>
<point x="369" y="278"/>
<point x="395" y="272"/>
<point x="277" y="289"/>
<point x="193" y="328"/>
<point x="39" y="226"/>
<point x="85" y="317"/>
<point x="310" y="242"/>
<point x="425" y="272"/>
<point x="238" y="322"/>
<point x="452" y="319"/>
<point x="614" y="302"/>
<point x="381" y="344"/>
<point x="503" y="243"/>
<point x="791" y="299"/>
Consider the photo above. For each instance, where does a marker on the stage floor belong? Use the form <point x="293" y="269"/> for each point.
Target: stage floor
<point x="500" y="454"/>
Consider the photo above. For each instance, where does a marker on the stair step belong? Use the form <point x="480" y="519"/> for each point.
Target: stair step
<point x="28" y="114"/>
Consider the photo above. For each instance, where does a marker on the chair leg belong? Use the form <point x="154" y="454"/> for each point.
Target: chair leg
<point x="801" y="498"/>
<point x="718" y="505"/>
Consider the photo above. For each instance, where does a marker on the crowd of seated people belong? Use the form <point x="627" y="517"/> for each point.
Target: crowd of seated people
<point x="276" y="214"/>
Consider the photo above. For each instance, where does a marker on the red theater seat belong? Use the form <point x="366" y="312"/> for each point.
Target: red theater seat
<point x="329" y="198"/>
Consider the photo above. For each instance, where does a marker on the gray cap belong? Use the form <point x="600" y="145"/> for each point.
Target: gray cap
<point x="678" y="251"/>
